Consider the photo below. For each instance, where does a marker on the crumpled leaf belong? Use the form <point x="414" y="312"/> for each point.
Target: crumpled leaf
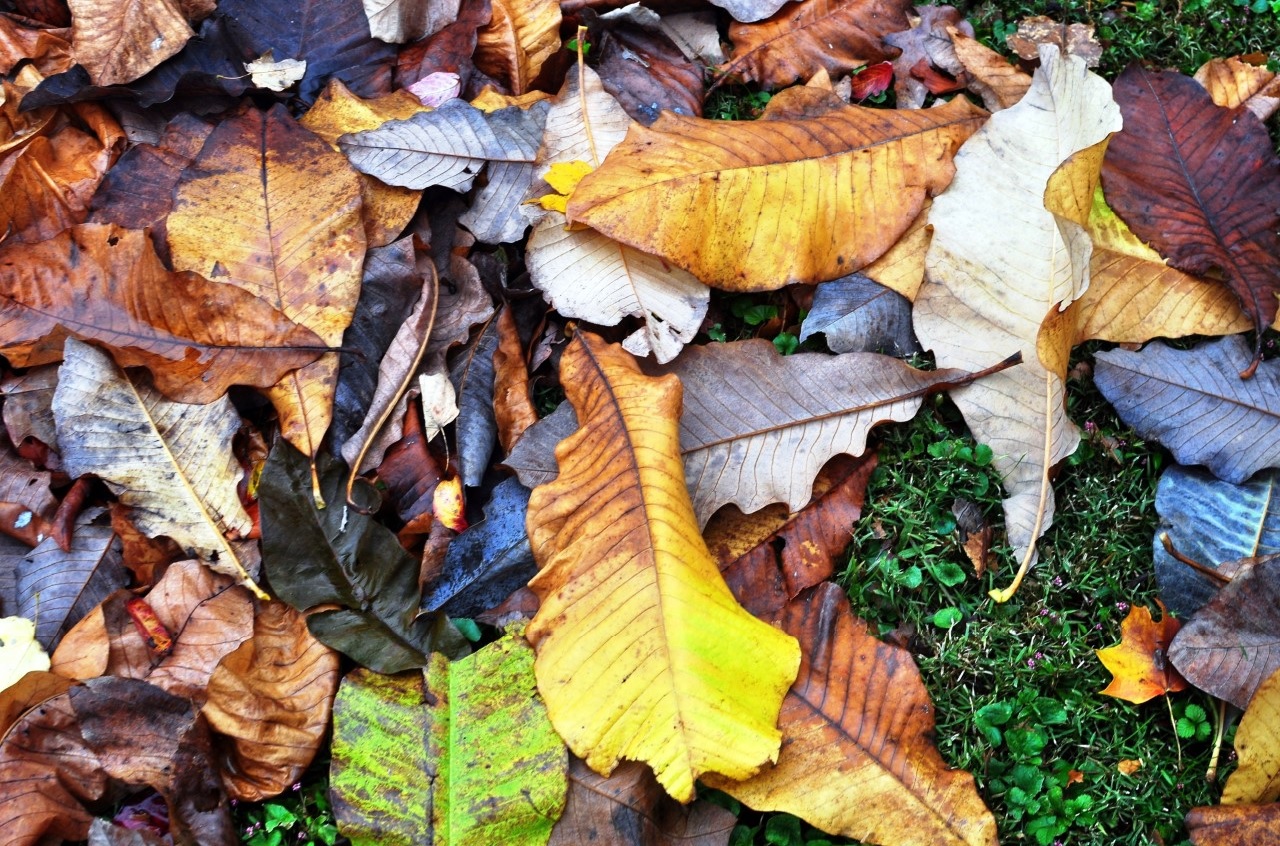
<point x="1194" y="403"/>
<point x="990" y="75"/>
<point x="519" y="38"/>
<point x="57" y="587"/>
<point x="119" y="42"/>
<point x="1138" y="665"/>
<point x="927" y="40"/>
<point x="205" y="619"/>
<point x="697" y="33"/>
<point x="626" y="667"/>
<point x="1198" y="182"/>
<point x="1232" y="83"/>
<point x="401" y="21"/>
<point x="488" y="561"/>
<point x="486" y="766"/>
<point x="588" y="275"/>
<point x="1229" y="647"/>
<point x="858" y="314"/>
<point x="171" y="462"/>
<point x="295" y="206"/>
<point x="691" y="178"/>
<point x="105" y="284"/>
<point x="642" y="67"/>
<point x="1256" y="778"/>
<point x="275" y="76"/>
<point x="20" y="652"/>
<point x="801" y="38"/>
<point x="630" y="808"/>
<point x="858" y="757"/>
<point x="1075" y="39"/>
<point x="1211" y="522"/>
<point x="269" y="702"/>
<point x="337" y="556"/>
<point x="997" y="283"/>
<point x="48" y="49"/>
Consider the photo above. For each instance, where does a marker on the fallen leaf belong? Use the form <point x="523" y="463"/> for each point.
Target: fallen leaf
<point x="401" y="21"/>
<point x="1256" y="779"/>
<point x="927" y="39"/>
<point x="642" y="67"/>
<point x="409" y="473"/>
<point x="858" y="757"/>
<point x="357" y="585"/>
<point x="275" y="76"/>
<point x="1075" y="39"/>
<point x="513" y="407"/>
<point x="296" y="206"/>
<point x="171" y="461"/>
<point x="119" y="42"/>
<point x="196" y="336"/>
<point x="1232" y="83"/>
<point x="991" y="77"/>
<point x="26" y="409"/>
<point x="439" y="403"/>
<point x="872" y="80"/>
<point x="20" y="651"/>
<point x="736" y="203"/>
<point x="997" y="283"/>
<point x="1233" y="825"/>
<point x="48" y="49"/>
<point x="449" y="50"/>
<point x="697" y="34"/>
<point x="1196" y="181"/>
<point x="801" y="38"/>
<point x="750" y="11"/>
<point x="1229" y="648"/>
<point x="1139" y="664"/>
<point x="1129" y="766"/>
<point x="1187" y="400"/>
<point x="625" y="669"/>
<point x="269" y="704"/>
<point x="476" y="428"/>
<point x="449" y="505"/>
<point x="858" y="314"/>
<point x="629" y="808"/>
<point x="486" y="766"/>
<point x="436" y="89"/>
<point x="521" y="36"/>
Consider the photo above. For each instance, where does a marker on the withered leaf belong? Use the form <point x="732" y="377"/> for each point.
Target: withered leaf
<point x="1138" y="665"/>
<point x="119" y="42"/>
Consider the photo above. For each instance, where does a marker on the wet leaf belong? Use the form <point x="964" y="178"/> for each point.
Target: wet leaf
<point x="643" y="68"/>
<point x="625" y="669"/>
<point x="486" y="768"/>
<point x="857" y="314"/>
<point x="1139" y="664"/>
<point x="858" y="757"/>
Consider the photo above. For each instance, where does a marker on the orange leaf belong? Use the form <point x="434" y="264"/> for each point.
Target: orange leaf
<point x="1138" y="664"/>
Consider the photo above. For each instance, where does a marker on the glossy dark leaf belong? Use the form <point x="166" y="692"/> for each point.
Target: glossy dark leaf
<point x="472" y="376"/>
<point x="489" y="560"/>
<point x="338" y="556"/>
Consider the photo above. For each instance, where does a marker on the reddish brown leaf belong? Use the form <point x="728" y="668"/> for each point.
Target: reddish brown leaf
<point x="21" y="523"/>
<point x="119" y="42"/>
<point x="31" y="690"/>
<point x="1139" y="664"/>
<point x="448" y="51"/>
<point x="802" y="38"/>
<point x="1234" y="825"/>
<point x="146" y="557"/>
<point x="512" y="400"/>
<point x="645" y="70"/>
<point x="872" y="80"/>
<point x="771" y="555"/>
<point x="1198" y="182"/>
<point x="49" y="49"/>
<point x="936" y="81"/>
<point x="64" y="521"/>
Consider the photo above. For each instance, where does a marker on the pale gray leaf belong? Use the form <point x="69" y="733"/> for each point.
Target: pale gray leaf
<point x="494" y="216"/>
<point x="401" y="21"/>
<point x="533" y="458"/>
<point x="858" y="314"/>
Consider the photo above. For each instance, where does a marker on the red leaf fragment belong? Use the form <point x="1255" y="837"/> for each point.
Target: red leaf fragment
<point x="872" y="80"/>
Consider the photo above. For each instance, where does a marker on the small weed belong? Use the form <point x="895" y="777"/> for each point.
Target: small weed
<point x="735" y="102"/>
<point x="299" y="817"/>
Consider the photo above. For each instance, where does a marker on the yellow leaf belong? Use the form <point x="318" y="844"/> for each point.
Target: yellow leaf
<point x="563" y="177"/>
<point x="793" y="197"/>
<point x="643" y="653"/>
<point x="1257" y="779"/>
<point x="19" y="651"/>
<point x="518" y="40"/>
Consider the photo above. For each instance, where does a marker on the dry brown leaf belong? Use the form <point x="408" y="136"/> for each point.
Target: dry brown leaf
<point x="518" y="40"/>
<point x="997" y="82"/>
<point x="270" y="701"/>
<point x="996" y="283"/>
<point x="858" y="757"/>
<point x="750" y="206"/>
<point x="1075" y="39"/>
<point x="512" y="399"/>
<point x="801" y="38"/>
<point x="49" y="49"/>
<point x="119" y="42"/>
<point x="269" y="207"/>
<point x="1233" y="82"/>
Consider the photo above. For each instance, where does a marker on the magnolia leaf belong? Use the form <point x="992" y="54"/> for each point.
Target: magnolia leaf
<point x="1138" y="666"/>
<point x="357" y="584"/>
<point x="858" y="757"/>
<point x="738" y="205"/>
<point x="833" y="35"/>
<point x="402" y="21"/>
<point x="171" y="462"/>
<point x="997" y="283"/>
<point x="1198" y="183"/>
<point x="1257" y="776"/>
<point x="1193" y="403"/>
<point x="520" y="37"/>
<point x="119" y="42"/>
<point x="295" y="206"/>
<point x="588" y="275"/>
<point x="630" y="807"/>
<point x="1229" y="647"/>
<point x="20" y="652"/>
<point x="107" y="285"/>
<point x="495" y="215"/>
<point x="275" y="76"/>
<point x="627" y="668"/>
<point x="190" y="605"/>
<point x="57" y="587"/>
<point x="489" y="561"/>
<point x="486" y="766"/>
<point x="387" y="209"/>
<point x="1211" y="522"/>
<point x="447" y="146"/>
<point x="269" y="701"/>
<point x="477" y="428"/>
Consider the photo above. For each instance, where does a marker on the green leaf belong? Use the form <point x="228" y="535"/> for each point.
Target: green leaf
<point x="338" y="556"/>
<point x="278" y="816"/>
<point x="1185" y="728"/>
<point x="783" y="830"/>
<point x="947" y="617"/>
<point x="994" y="714"/>
<point x="948" y="573"/>
<point x="462" y="755"/>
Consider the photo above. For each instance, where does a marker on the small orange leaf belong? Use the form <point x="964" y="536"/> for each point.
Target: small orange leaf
<point x="1129" y="767"/>
<point x="149" y="626"/>
<point x="448" y="503"/>
<point x="1138" y="663"/>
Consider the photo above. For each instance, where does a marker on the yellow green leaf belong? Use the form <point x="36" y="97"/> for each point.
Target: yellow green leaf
<point x="643" y="653"/>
